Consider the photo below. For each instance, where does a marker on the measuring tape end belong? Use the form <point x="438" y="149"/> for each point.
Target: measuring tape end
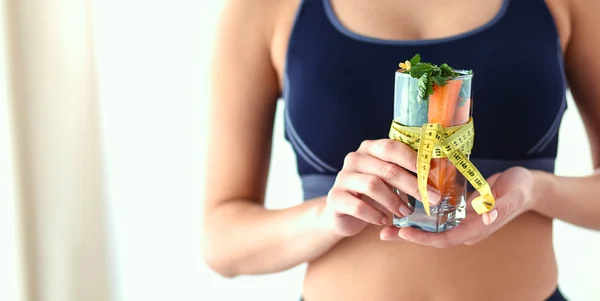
<point x="483" y="204"/>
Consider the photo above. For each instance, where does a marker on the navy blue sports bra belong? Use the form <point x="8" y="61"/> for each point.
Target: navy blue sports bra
<point x="339" y="81"/>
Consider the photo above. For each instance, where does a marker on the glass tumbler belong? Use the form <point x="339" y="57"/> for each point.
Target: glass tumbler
<point x="449" y="105"/>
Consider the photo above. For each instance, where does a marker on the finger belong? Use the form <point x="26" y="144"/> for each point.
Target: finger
<point x="508" y="203"/>
<point x="389" y="233"/>
<point x="511" y="189"/>
<point x="489" y="217"/>
<point x="437" y="240"/>
<point x="470" y="229"/>
<point x="392" y="174"/>
<point x="373" y="187"/>
<point x="373" y="203"/>
<point x="403" y="195"/>
<point x="405" y="208"/>
<point x="391" y="151"/>
<point x="506" y="206"/>
<point x="491" y="181"/>
<point x="345" y="203"/>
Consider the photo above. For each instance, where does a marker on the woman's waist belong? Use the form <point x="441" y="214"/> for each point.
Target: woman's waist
<point x="518" y="259"/>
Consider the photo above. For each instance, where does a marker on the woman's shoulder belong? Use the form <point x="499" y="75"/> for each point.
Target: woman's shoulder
<point x="267" y="18"/>
<point x="561" y="12"/>
<point x="258" y="16"/>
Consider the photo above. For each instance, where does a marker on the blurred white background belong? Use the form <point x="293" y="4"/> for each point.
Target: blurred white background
<point x="154" y="89"/>
<point x="153" y="63"/>
<point x="10" y="272"/>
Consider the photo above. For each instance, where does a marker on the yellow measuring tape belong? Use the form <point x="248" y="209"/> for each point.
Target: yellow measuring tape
<point x="433" y="141"/>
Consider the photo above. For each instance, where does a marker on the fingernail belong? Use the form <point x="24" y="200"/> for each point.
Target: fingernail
<point x="493" y="216"/>
<point x="486" y="219"/>
<point x="401" y="235"/>
<point x="404" y="210"/>
<point x="384" y="220"/>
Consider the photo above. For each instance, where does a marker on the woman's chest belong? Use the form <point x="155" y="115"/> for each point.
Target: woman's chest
<point x="375" y="19"/>
<point x="339" y="91"/>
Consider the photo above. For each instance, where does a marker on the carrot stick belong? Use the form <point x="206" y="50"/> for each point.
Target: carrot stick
<point x="442" y="109"/>
<point x="443" y="103"/>
<point x="462" y="112"/>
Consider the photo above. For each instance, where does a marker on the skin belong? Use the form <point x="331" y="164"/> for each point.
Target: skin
<point x="506" y="254"/>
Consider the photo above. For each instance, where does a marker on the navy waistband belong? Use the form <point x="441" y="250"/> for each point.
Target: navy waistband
<point x="318" y="185"/>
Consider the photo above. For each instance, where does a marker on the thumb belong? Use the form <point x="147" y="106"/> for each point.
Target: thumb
<point x="511" y="192"/>
<point x="490" y="180"/>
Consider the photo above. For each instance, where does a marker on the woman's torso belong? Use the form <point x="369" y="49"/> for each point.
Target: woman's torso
<point x="327" y="72"/>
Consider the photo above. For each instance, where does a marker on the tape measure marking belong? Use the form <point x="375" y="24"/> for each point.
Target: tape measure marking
<point x="433" y="141"/>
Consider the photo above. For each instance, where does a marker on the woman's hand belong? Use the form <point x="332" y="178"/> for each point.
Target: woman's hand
<point x="513" y="191"/>
<point x="363" y="193"/>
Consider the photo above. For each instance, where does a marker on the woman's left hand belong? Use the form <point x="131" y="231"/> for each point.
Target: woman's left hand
<point x="513" y="191"/>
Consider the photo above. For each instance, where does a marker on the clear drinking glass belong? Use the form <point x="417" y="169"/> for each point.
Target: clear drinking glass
<point x="449" y="105"/>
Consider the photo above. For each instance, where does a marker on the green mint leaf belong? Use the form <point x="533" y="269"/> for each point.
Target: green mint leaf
<point x="439" y="80"/>
<point x="429" y="85"/>
<point x="418" y="70"/>
<point x="415" y="59"/>
<point x="428" y="74"/>
<point x="447" y="71"/>
<point x="423" y="86"/>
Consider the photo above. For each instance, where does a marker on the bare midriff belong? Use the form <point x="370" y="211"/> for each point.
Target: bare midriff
<point x="517" y="262"/>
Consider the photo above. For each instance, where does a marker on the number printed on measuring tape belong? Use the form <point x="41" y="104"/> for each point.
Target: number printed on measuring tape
<point x="455" y="143"/>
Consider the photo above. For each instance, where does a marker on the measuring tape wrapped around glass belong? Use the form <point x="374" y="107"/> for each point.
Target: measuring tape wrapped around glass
<point x="455" y="143"/>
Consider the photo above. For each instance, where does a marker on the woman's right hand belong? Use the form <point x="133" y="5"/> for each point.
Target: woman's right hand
<point x="363" y="191"/>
